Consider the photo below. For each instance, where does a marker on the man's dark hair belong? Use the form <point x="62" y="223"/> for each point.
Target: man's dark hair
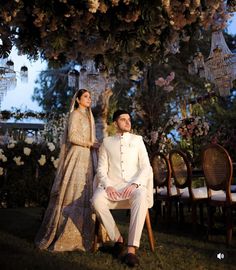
<point x="117" y="113"/>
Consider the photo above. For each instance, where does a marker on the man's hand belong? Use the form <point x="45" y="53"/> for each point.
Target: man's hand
<point x="128" y="190"/>
<point x="112" y="193"/>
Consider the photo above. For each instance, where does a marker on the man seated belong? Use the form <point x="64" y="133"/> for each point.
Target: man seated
<point x="124" y="176"/>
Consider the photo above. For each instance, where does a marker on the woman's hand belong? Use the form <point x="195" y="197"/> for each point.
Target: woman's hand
<point x="96" y="145"/>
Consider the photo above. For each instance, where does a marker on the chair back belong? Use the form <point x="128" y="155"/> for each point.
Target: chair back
<point x="161" y="171"/>
<point x="217" y="167"/>
<point x="181" y="169"/>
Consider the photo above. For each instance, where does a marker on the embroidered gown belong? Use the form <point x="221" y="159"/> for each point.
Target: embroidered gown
<point x="69" y="220"/>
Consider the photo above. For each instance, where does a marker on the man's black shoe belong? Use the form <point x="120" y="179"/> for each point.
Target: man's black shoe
<point x="131" y="260"/>
<point x="118" y="249"/>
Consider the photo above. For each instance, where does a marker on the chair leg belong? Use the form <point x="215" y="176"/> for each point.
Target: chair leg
<point x="209" y="221"/>
<point x="229" y="225"/>
<point x="201" y="214"/>
<point x="169" y="210"/>
<point x="96" y="231"/>
<point x="181" y="212"/>
<point x="176" y="209"/>
<point x="150" y="233"/>
<point x="194" y="217"/>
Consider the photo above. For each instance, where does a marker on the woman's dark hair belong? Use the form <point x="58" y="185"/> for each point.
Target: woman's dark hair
<point x="79" y="93"/>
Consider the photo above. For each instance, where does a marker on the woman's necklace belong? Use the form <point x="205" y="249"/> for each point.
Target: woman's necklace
<point x="84" y="112"/>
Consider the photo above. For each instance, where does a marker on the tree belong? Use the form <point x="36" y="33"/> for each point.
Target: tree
<point x="53" y="93"/>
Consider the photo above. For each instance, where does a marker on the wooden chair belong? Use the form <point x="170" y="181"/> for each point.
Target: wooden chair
<point x="164" y="191"/>
<point x="147" y="223"/>
<point x="218" y="171"/>
<point x="182" y="173"/>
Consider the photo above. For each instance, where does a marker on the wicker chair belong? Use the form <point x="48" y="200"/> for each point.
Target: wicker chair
<point x="182" y="173"/>
<point x="164" y="191"/>
<point x="218" y="171"/>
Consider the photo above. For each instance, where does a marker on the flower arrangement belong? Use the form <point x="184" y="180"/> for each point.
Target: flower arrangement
<point x="165" y="83"/>
<point x="193" y="126"/>
<point x="54" y="129"/>
<point x="158" y="140"/>
<point x="19" y="151"/>
<point x="27" y="170"/>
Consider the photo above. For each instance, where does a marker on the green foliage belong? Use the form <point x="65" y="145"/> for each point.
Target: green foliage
<point x="52" y="92"/>
<point x="221" y="114"/>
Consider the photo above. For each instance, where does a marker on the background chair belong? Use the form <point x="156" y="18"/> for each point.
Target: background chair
<point x="182" y="173"/>
<point x="164" y="191"/>
<point x="218" y="171"/>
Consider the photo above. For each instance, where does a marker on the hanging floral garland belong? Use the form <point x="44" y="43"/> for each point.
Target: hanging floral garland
<point x="116" y="29"/>
<point x="19" y="115"/>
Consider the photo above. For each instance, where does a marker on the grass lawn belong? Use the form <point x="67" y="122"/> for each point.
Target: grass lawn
<point x="177" y="247"/>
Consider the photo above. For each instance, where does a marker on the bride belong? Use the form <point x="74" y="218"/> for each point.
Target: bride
<point x="68" y="222"/>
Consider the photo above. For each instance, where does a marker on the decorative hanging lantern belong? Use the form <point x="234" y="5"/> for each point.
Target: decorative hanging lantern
<point x="8" y="77"/>
<point x="83" y="69"/>
<point x="92" y="71"/>
<point x="10" y="64"/>
<point x="198" y="64"/>
<point x="221" y="64"/>
<point x="219" y="67"/>
<point x="73" y="76"/>
<point x="24" y="74"/>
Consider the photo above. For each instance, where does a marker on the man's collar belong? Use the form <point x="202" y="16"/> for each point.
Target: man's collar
<point x="123" y="135"/>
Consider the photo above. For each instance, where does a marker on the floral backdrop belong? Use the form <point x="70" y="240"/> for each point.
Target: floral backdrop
<point x="27" y="170"/>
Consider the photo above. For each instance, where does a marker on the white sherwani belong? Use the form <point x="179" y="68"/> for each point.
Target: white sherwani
<point x="123" y="160"/>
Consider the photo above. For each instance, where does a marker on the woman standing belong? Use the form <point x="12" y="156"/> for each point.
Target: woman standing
<point x="68" y="222"/>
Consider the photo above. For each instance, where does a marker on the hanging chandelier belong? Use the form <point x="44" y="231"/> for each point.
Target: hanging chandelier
<point x="8" y="76"/>
<point x="92" y="78"/>
<point x="220" y="66"/>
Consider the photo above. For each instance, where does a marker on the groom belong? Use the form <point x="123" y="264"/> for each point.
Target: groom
<point x="124" y="178"/>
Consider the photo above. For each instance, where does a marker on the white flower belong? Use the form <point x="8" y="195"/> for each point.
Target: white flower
<point x="3" y="157"/>
<point x="55" y="162"/>
<point x="1" y="171"/>
<point x="11" y="145"/>
<point x="42" y="160"/>
<point x="29" y="140"/>
<point x="18" y="161"/>
<point x="27" y="151"/>
<point x="51" y="146"/>
<point x="93" y="5"/>
<point x="1" y="150"/>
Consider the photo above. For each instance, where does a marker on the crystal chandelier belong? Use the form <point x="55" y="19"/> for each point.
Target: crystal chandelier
<point x="92" y="78"/>
<point x="220" y="66"/>
<point x="8" y="76"/>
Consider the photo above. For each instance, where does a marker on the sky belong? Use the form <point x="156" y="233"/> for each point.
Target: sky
<point x="21" y="96"/>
